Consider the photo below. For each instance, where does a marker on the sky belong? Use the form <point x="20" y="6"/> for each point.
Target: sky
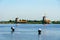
<point x="29" y="9"/>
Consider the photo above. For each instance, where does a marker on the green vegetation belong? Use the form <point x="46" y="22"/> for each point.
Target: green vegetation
<point x="56" y="22"/>
<point x="7" y="22"/>
<point x="28" y="22"/>
<point x="34" y="22"/>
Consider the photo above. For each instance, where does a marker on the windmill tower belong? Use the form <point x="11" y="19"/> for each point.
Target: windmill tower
<point x="43" y="20"/>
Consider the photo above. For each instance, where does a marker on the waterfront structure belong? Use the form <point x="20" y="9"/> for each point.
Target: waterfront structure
<point x="45" y="20"/>
<point x="16" y="20"/>
<point x="20" y="21"/>
<point x="23" y="21"/>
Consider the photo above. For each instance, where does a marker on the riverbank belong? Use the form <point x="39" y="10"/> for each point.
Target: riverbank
<point x="28" y="22"/>
<point x="7" y="22"/>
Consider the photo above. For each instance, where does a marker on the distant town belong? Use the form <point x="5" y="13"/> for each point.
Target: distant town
<point x="23" y="21"/>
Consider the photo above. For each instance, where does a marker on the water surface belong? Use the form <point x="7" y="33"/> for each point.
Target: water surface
<point x="30" y="32"/>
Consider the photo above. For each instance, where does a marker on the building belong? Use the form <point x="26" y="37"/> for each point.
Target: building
<point x="16" y="20"/>
<point x="45" y="20"/>
<point x="23" y="21"/>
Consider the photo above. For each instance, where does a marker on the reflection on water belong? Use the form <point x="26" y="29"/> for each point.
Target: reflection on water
<point x="12" y="32"/>
<point x="30" y="32"/>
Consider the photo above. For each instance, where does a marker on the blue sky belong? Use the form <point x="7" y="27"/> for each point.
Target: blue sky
<point x="29" y="9"/>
